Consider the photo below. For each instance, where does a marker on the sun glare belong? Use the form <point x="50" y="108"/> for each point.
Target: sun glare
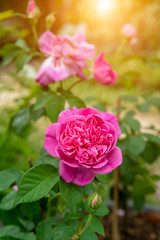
<point x="103" y="6"/>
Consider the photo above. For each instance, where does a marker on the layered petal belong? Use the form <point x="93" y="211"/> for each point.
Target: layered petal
<point x="114" y="160"/>
<point x="50" y="44"/>
<point x="51" y="146"/>
<point x="79" y="176"/>
<point x="113" y="120"/>
<point x="66" y="114"/>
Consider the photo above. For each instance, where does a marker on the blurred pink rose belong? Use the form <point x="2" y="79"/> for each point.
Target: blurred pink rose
<point x="15" y="188"/>
<point x="69" y="55"/>
<point x="103" y="72"/>
<point x="32" y="10"/>
<point x="133" y="41"/>
<point x="85" y="141"/>
<point x="129" y="31"/>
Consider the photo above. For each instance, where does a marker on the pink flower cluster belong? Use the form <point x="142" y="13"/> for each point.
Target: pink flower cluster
<point x="85" y="141"/>
<point x="67" y="56"/>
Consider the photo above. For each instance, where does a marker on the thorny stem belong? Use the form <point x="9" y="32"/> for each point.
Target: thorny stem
<point x="75" y="83"/>
<point x="80" y="232"/>
<point x="115" y="230"/>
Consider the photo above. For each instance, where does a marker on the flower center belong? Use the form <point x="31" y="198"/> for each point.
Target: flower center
<point x="88" y="139"/>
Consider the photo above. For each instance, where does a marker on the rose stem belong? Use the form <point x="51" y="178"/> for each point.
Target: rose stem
<point x="79" y="233"/>
<point x="75" y="83"/>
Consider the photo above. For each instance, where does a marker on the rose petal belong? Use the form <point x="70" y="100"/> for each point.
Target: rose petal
<point x="51" y="145"/>
<point x="88" y="111"/>
<point x="114" y="160"/>
<point x="113" y="120"/>
<point x="51" y="130"/>
<point x="67" y="160"/>
<point x="66" y="114"/>
<point x="80" y="176"/>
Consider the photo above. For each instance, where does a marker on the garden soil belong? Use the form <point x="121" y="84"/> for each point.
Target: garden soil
<point x="144" y="226"/>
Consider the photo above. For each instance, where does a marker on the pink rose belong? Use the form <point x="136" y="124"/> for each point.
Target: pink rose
<point x="69" y="55"/>
<point x="103" y="72"/>
<point x="129" y="31"/>
<point x="85" y="141"/>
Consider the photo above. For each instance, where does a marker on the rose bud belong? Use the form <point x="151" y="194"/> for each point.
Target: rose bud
<point x="32" y="10"/>
<point x="50" y="19"/>
<point x="103" y="72"/>
<point x="94" y="200"/>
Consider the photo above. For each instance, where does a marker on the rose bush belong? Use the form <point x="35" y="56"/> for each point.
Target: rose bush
<point x="85" y="141"/>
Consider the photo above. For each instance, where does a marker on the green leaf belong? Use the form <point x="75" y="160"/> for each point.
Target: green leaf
<point x="21" y="60"/>
<point x="7" y="201"/>
<point x="8" y="230"/>
<point x="75" y="102"/>
<point x="102" y="211"/>
<point x="123" y="129"/>
<point x="8" y="177"/>
<point x="96" y="226"/>
<point x="135" y="145"/>
<point x="144" y="107"/>
<point x="63" y="232"/>
<point x="151" y="152"/>
<point x="21" y="119"/>
<point x="41" y="100"/>
<point x="48" y="159"/>
<point x="152" y="138"/>
<point x="44" y="230"/>
<point x="28" y="225"/>
<point x="89" y="235"/>
<point x="132" y="123"/>
<point x="36" y="183"/>
<point x="22" y="44"/>
<point x="32" y="211"/>
<point x="129" y="98"/>
<point x="154" y="101"/>
<point x="71" y="194"/>
<point x="10" y="56"/>
<point x="36" y="114"/>
<point x="55" y="105"/>
<point x="23" y="236"/>
<point x="102" y="178"/>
